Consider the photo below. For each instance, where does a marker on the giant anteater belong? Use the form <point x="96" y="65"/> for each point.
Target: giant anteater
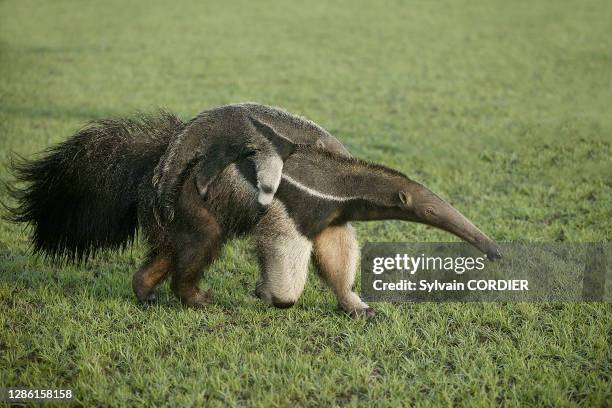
<point x="93" y="191"/>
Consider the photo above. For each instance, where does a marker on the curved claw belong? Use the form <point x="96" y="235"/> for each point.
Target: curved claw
<point x="366" y="313"/>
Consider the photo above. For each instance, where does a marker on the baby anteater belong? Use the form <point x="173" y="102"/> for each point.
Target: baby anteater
<point x="220" y="136"/>
<point x="92" y="192"/>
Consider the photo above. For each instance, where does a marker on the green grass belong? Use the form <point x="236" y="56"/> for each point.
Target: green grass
<point x="502" y="108"/>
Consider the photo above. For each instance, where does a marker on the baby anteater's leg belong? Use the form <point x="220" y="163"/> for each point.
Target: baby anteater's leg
<point x="271" y="149"/>
<point x="336" y="253"/>
<point x="151" y="273"/>
<point x="269" y="168"/>
<point x="284" y="255"/>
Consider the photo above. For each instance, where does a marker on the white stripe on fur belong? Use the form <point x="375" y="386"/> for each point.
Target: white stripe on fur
<point x="316" y="193"/>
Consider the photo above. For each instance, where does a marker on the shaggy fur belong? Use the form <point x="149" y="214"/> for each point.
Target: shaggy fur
<point x="82" y="195"/>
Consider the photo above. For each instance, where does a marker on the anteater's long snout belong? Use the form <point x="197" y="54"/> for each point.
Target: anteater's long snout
<point x="432" y="210"/>
<point x="456" y="223"/>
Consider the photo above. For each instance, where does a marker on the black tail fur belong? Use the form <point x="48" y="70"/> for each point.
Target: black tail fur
<point x="82" y="195"/>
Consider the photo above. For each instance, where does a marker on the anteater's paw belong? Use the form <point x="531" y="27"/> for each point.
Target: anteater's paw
<point x="365" y="313"/>
<point x="353" y="306"/>
<point x="146" y="298"/>
<point x="198" y="299"/>
<point x="149" y="299"/>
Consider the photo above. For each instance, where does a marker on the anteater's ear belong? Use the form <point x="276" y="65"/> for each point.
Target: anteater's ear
<point x="405" y="198"/>
<point x="205" y="173"/>
<point x="283" y="146"/>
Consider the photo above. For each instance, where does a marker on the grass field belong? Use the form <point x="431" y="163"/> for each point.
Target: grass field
<point x="502" y="108"/>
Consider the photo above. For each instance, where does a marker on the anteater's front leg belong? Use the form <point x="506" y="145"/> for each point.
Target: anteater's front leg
<point x="336" y="253"/>
<point x="284" y="255"/>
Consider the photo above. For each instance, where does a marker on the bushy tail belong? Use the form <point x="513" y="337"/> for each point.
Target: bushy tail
<point x="82" y="195"/>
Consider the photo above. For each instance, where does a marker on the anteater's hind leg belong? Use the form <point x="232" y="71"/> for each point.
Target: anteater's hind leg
<point x="284" y="255"/>
<point x="196" y="242"/>
<point x="336" y="253"/>
<point x="152" y="272"/>
<point x="195" y="239"/>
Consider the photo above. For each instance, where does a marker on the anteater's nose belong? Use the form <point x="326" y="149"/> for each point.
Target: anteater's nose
<point x="494" y="253"/>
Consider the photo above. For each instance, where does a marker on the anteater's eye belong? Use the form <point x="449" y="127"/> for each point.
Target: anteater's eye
<point x="405" y="198"/>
